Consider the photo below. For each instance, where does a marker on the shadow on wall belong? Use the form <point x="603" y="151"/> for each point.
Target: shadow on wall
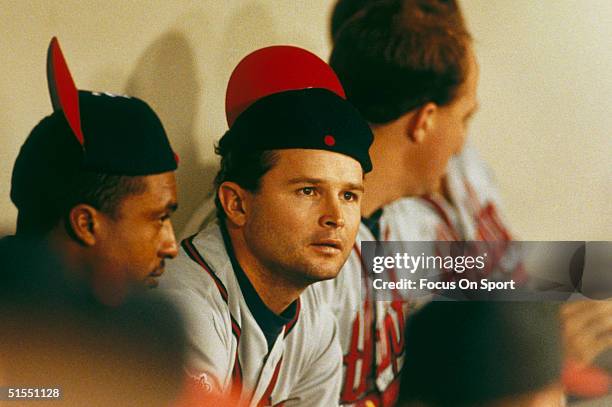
<point x="12" y="143"/>
<point x="249" y="28"/>
<point x="166" y="77"/>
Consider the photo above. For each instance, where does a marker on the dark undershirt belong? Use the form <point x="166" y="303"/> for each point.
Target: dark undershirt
<point x="270" y="324"/>
<point x="373" y="223"/>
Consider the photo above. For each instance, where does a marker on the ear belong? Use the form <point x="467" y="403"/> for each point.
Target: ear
<point x="422" y="122"/>
<point x="233" y="199"/>
<point x="85" y="224"/>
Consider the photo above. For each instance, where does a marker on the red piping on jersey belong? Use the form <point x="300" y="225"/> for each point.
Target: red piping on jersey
<point x="235" y="328"/>
<point x="349" y="393"/>
<point x="236" y="374"/>
<point x="289" y="325"/>
<point x="266" y="399"/>
<point x="194" y="255"/>
<point x="366" y="390"/>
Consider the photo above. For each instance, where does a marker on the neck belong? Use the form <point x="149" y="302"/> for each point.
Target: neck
<point x="276" y="292"/>
<point x="69" y="252"/>
<point x="391" y="178"/>
<point x="84" y="266"/>
<point x="382" y="188"/>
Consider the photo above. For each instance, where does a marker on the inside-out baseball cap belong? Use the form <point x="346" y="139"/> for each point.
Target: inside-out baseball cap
<point x="88" y="131"/>
<point x="283" y="97"/>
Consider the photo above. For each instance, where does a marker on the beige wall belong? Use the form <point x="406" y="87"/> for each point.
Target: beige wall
<point x="177" y="55"/>
<point x="546" y="88"/>
<point x="545" y="122"/>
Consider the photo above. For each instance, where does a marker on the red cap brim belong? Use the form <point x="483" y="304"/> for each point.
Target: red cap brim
<point x="276" y="69"/>
<point x="63" y="92"/>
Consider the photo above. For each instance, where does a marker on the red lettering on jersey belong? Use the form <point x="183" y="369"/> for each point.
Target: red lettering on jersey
<point x="394" y="335"/>
<point x="391" y="394"/>
<point x="388" y="339"/>
<point x="355" y="387"/>
<point x="488" y="225"/>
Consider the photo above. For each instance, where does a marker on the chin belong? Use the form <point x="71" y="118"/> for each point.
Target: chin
<point x="323" y="272"/>
<point x="151" y="282"/>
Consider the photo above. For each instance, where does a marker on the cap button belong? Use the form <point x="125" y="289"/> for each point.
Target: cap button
<point x="329" y="140"/>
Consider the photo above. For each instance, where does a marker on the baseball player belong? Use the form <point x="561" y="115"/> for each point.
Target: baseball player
<point x="408" y="66"/>
<point x="288" y="208"/>
<point x="95" y="181"/>
<point x="371" y="331"/>
<point x="418" y="126"/>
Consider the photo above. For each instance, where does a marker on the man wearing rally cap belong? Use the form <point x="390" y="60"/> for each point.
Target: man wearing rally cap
<point x="95" y="180"/>
<point x="288" y="199"/>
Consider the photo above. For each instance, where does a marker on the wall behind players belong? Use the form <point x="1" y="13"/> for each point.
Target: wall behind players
<point x="546" y="88"/>
<point x="545" y="123"/>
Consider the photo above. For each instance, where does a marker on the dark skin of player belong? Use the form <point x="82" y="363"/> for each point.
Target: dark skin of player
<point x="129" y="247"/>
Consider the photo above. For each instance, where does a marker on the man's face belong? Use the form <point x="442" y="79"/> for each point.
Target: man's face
<point x="140" y="237"/>
<point x="450" y="126"/>
<point x="303" y="220"/>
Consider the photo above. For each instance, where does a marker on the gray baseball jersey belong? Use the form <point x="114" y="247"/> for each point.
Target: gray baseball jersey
<point x="230" y="345"/>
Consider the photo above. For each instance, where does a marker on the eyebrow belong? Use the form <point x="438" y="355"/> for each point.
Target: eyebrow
<point x="317" y="181"/>
<point x="356" y="187"/>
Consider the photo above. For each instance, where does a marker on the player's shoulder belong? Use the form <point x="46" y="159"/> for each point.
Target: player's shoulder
<point x="199" y="278"/>
<point x="408" y="209"/>
<point x="202" y="262"/>
<point x="471" y="167"/>
<point x="412" y="218"/>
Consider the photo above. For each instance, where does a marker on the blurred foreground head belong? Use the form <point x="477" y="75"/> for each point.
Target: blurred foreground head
<point x="481" y="354"/>
<point x="56" y="334"/>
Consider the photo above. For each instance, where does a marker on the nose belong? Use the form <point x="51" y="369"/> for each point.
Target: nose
<point x="169" y="248"/>
<point x="333" y="216"/>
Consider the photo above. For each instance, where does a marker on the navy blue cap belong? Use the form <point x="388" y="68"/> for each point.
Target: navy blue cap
<point x="312" y="118"/>
<point x="122" y="136"/>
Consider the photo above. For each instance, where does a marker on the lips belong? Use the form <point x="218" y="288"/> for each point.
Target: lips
<point x="151" y="280"/>
<point x="329" y="245"/>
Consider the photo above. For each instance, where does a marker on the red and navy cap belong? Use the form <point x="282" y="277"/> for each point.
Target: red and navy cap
<point x="284" y="97"/>
<point x="87" y="132"/>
